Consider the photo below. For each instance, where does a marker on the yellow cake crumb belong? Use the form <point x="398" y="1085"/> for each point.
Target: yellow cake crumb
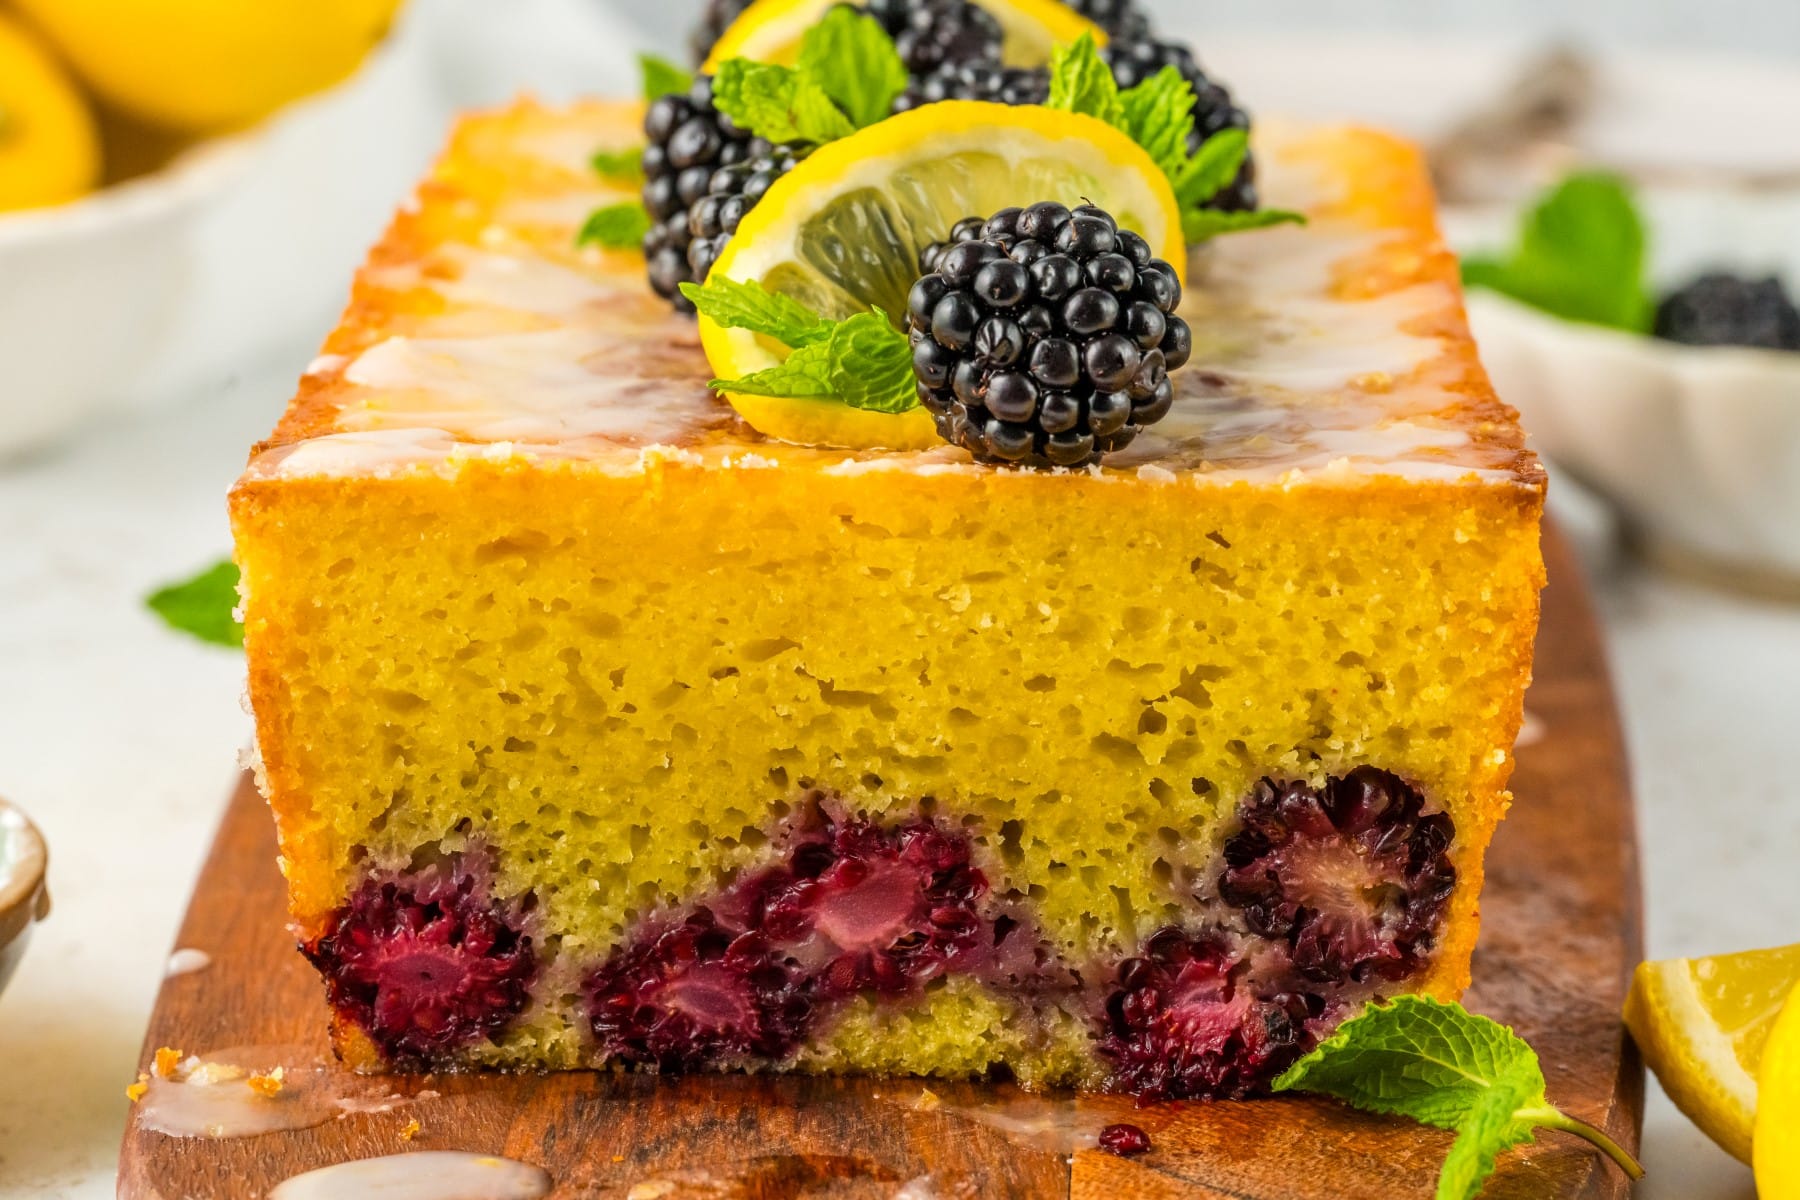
<point x="268" y="1086"/>
<point x="411" y="1130"/>
<point x="168" y="1059"/>
<point x="136" y="1091"/>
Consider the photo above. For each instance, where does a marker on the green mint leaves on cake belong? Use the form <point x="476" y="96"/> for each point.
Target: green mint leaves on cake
<point x="847" y="78"/>
<point x="1158" y="115"/>
<point x="662" y="78"/>
<point x="619" y="166"/>
<point x="203" y="606"/>
<point x="862" y="361"/>
<point x="1446" y="1067"/>
<point x="619" y="226"/>
<point x="1581" y="255"/>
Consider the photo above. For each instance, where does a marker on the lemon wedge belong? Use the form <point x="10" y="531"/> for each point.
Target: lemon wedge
<point x="1777" y="1151"/>
<point x="770" y="30"/>
<point x="842" y="232"/>
<point x="49" y="144"/>
<point x="1702" y="1024"/>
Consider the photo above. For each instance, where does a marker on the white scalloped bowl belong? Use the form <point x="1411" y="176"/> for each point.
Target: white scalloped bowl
<point x="1698" y="447"/>
<point x="165" y="286"/>
<point x="23" y="898"/>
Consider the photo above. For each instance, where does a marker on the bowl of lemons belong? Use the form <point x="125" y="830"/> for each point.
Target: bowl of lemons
<point x="183" y="184"/>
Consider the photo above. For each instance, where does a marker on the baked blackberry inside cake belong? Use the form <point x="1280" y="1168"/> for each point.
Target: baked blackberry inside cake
<point x="600" y="729"/>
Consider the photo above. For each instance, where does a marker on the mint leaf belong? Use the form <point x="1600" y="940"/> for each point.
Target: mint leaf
<point x="1443" y="1066"/>
<point x="662" y="77"/>
<point x="777" y="103"/>
<point x="1212" y="168"/>
<point x="1581" y="256"/>
<point x="853" y="60"/>
<point x="1200" y="224"/>
<point x="864" y="363"/>
<point x="622" y="166"/>
<point x="1492" y="1126"/>
<point x="750" y="306"/>
<point x="203" y="606"/>
<point x="1081" y="82"/>
<point x="1159" y="115"/>
<point x="619" y="226"/>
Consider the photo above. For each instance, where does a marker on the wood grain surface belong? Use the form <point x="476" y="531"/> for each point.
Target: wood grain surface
<point x="1562" y="929"/>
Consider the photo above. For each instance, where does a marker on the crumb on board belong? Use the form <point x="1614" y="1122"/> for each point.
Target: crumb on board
<point x="167" y="1059"/>
<point x="411" y="1130"/>
<point x="135" y="1092"/>
<point x="268" y="1086"/>
<point x="927" y="1102"/>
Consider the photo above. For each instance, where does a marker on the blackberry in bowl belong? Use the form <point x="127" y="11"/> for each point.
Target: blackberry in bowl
<point x="1044" y="336"/>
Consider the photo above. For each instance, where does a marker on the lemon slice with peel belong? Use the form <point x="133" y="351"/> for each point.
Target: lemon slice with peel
<point x="1778" y="1108"/>
<point x="770" y="30"/>
<point x="842" y="232"/>
<point x="1702" y="1024"/>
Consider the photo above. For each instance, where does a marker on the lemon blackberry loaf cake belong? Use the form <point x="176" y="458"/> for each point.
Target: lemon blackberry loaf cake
<point x="602" y="729"/>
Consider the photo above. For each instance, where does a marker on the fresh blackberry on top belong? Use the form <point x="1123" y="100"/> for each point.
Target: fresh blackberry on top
<point x="930" y="34"/>
<point x="1044" y="336"/>
<point x="733" y="192"/>
<point x="1119" y="18"/>
<point x="688" y="141"/>
<point x="977" y="81"/>
<point x="715" y="19"/>
<point x="1137" y="60"/>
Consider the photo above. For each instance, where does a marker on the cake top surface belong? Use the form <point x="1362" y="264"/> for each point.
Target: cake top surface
<point x="478" y="331"/>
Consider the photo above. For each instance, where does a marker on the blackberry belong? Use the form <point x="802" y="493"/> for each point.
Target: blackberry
<point x="977" y="81"/>
<point x="1122" y="19"/>
<point x="929" y="34"/>
<point x="427" y="962"/>
<point x="1135" y="60"/>
<point x="689" y="140"/>
<point x="1725" y="310"/>
<point x="715" y="19"/>
<point x="1045" y="337"/>
<point x="733" y="192"/>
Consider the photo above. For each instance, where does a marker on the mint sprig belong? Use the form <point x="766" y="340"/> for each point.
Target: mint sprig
<point x="1158" y="115"/>
<point x="662" y="77"/>
<point x="619" y="226"/>
<point x="846" y="78"/>
<point x="1581" y="256"/>
<point x="619" y="166"/>
<point x="861" y="361"/>
<point x="203" y="605"/>
<point x="1444" y="1066"/>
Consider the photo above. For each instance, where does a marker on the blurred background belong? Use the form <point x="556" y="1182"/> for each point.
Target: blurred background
<point x="180" y="242"/>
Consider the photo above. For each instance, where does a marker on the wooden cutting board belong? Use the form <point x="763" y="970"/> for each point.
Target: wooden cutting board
<point x="1561" y="932"/>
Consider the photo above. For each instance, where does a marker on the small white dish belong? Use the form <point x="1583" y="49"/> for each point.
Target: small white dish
<point x="164" y="286"/>
<point x="1697" y="446"/>
<point x="23" y="898"/>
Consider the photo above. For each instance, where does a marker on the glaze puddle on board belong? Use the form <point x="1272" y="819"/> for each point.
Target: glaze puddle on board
<point x="214" y="1096"/>
<point x="187" y="961"/>
<point x="423" y="1175"/>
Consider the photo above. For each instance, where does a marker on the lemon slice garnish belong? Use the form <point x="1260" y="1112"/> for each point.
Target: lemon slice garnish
<point x="1778" y="1108"/>
<point x="770" y="30"/>
<point x="842" y="232"/>
<point x="1702" y="1024"/>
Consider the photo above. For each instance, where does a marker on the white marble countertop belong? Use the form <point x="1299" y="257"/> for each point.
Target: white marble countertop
<point x="121" y="739"/>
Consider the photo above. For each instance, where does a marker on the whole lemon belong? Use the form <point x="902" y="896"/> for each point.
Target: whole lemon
<point x="49" y="146"/>
<point x="208" y="65"/>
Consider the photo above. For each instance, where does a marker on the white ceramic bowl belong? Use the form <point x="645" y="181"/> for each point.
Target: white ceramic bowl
<point x="163" y="287"/>
<point x="23" y="898"/>
<point x="1698" y="447"/>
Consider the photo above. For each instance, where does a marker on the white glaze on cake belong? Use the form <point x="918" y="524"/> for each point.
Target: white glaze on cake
<point x="539" y="352"/>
